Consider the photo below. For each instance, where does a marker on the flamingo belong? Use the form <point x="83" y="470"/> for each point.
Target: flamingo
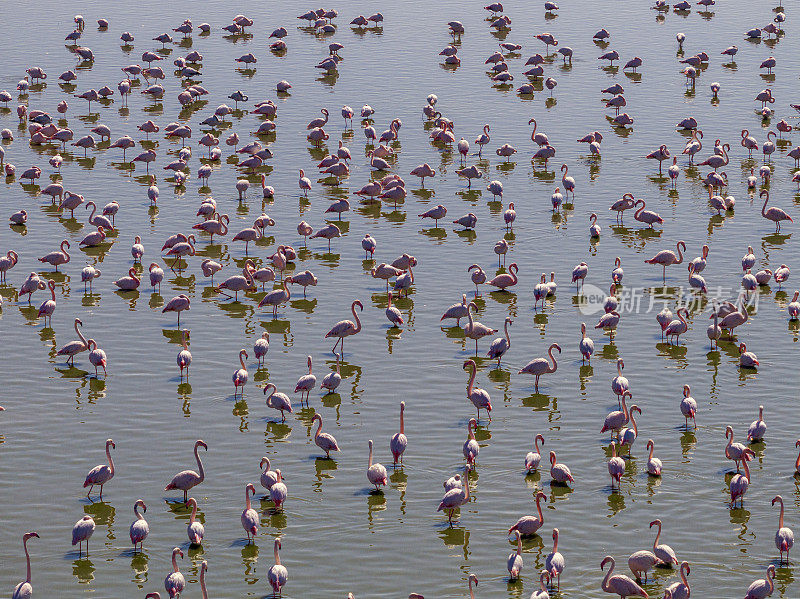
<point x="268" y="477"/>
<point x="740" y="482"/>
<point x="747" y="359"/>
<point x="619" y="384"/>
<point x="688" y="407"/>
<point x="646" y="216"/>
<point x="529" y="525"/>
<point x="641" y="562"/>
<point x="346" y="328"/>
<point x="48" y="306"/>
<point x="156" y="276"/>
<point x="560" y="473"/>
<point x="399" y="441"/>
<point x="678" y="326"/>
<point x="177" y="304"/>
<point x="619" y="584"/>
<point x="628" y="435"/>
<point x="184" y="358"/>
<point x="332" y="380"/>
<point x="474" y="329"/>
<point x="539" y="366"/>
<point x="278" y="492"/>
<point x="249" y="516"/>
<point x="762" y="588"/>
<point x="478" y="277"/>
<point x="681" y="590"/>
<point x="101" y="474"/>
<point x="261" y="347"/>
<point x="620" y="206"/>
<point x="82" y="532"/>
<point x="500" y="345"/>
<point x="567" y="182"/>
<point x="24" y="590"/>
<point x="653" y="464"/>
<point x="277" y="575"/>
<point x="174" y="583"/>
<point x="663" y="552"/>
<point x="784" y="538"/>
<point x="579" y="274"/>
<point x="58" y="257"/>
<point x="277" y="297"/>
<point x="324" y="441"/>
<point x="239" y="376"/>
<point x="455" y="498"/>
<point x="505" y="280"/>
<point x="483" y="139"/>
<point x="774" y="214"/>
<point x="188" y="479"/>
<point x="471" y="448"/>
<point x="534" y="458"/>
<point x="514" y="562"/>
<point x="306" y="383"/>
<point x="393" y="314"/>
<point x="616" y="467"/>
<point x="278" y="401"/>
<point x="618" y="418"/>
<point x="667" y="258"/>
<point x="139" y="528"/>
<point x="457" y="311"/>
<point x="73" y="348"/>
<point x="479" y="397"/>
<point x="376" y="473"/>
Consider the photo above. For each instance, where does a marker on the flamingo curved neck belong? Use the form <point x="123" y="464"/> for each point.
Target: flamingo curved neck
<point x="355" y="316"/>
<point x="402" y="420"/>
<point x="471" y="379"/>
<point x="553" y="358"/>
<point x="277" y="556"/>
<point x="200" y="470"/>
<point x="658" y="536"/>
<point x="110" y="460"/>
<point x="605" y="585"/>
<point x="27" y="561"/>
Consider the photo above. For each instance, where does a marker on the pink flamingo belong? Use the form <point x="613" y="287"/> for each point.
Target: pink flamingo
<point x="762" y="588"/>
<point x="616" y="467"/>
<point x="306" y="383"/>
<point x="376" y="473"/>
<point x="48" y="306"/>
<point x="174" y="583"/>
<point x="101" y="474"/>
<point x="184" y="358"/>
<point x="647" y="217"/>
<point x="740" y="482"/>
<point x="528" y="525"/>
<point x="677" y="327"/>
<point x="239" y="376"/>
<point x="534" y="458"/>
<point x="539" y="366"/>
<point x="653" y="464"/>
<point x="479" y="397"/>
<point x="784" y="538"/>
<point x="188" y="479"/>
<point x="277" y="297"/>
<point x="688" y="407"/>
<point x="73" y="348"/>
<point x="500" y="345"/>
<point x="24" y="590"/>
<point x="346" y="328"/>
<point x="474" y="329"/>
<point x="667" y="258"/>
<point x="278" y="491"/>
<point x="139" y="528"/>
<point x="618" y="418"/>
<point x="249" y="515"/>
<point x="560" y="473"/>
<point x="619" y="584"/>
<point x="82" y="532"/>
<point x="470" y="449"/>
<point x="663" y="552"/>
<point x="97" y="357"/>
<point x="195" y="529"/>
<point x="129" y="283"/>
<point x="58" y="257"/>
<point x="554" y="563"/>
<point x="774" y="214"/>
<point x="277" y="575"/>
<point x="514" y="562"/>
<point x="504" y="280"/>
<point x="177" y="304"/>
<point x="399" y="441"/>
<point x="478" y="277"/>
<point x="278" y="401"/>
<point x="324" y="441"/>
<point x="680" y="590"/>
<point x="454" y="499"/>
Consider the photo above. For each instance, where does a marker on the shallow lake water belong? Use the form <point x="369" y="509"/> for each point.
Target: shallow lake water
<point x="337" y="536"/>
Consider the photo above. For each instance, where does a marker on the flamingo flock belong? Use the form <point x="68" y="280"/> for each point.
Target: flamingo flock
<point x="194" y="257"/>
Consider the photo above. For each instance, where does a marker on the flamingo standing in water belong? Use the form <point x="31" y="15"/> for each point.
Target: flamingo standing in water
<point x="560" y="473"/>
<point x="479" y="397"/>
<point x="184" y="358"/>
<point x="48" y="306"/>
<point x="174" y="583"/>
<point x="528" y="525"/>
<point x="101" y="474"/>
<point x="195" y="529"/>
<point x="653" y="464"/>
<point x="784" y="538"/>
<point x="188" y="479"/>
<point x="663" y="552"/>
<point x="478" y="277"/>
<point x="399" y="441"/>
<point x="376" y="473"/>
<point x="73" y="348"/>
<point x="740" y="482"/>
<point x="619" y="584"/>
<point x="774" y="214"/>
<point x="763" y="587"/>
<point x="474" y="329"/>
<point x="249" y="516"/>
<point x="539" y="366"/>
<point x="501" y="345"/>
<point x="82" y="532"/>
<point x="470" y="449"/>
<point x="667" y="258"/>
<point x="277" y="575"/>
<point x="681" y="590"/>
<point x="306" y="383"/>
<point x="514" y="562"/>
<point x="688" y="407"/>
<point x="758" y="428"/>
<point x="139" y="528"/>
<point x="278" y="401"/>
<point x="324" y="441"/>
<point x="455" y="498"/>
<point x="332" y="380"/>
<point x="24" y="590"/>
<point x="239" y="376"/>
<point x="554" y="563"/>
<point x="346" y="328"/>
<point x="534" y="458"/>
